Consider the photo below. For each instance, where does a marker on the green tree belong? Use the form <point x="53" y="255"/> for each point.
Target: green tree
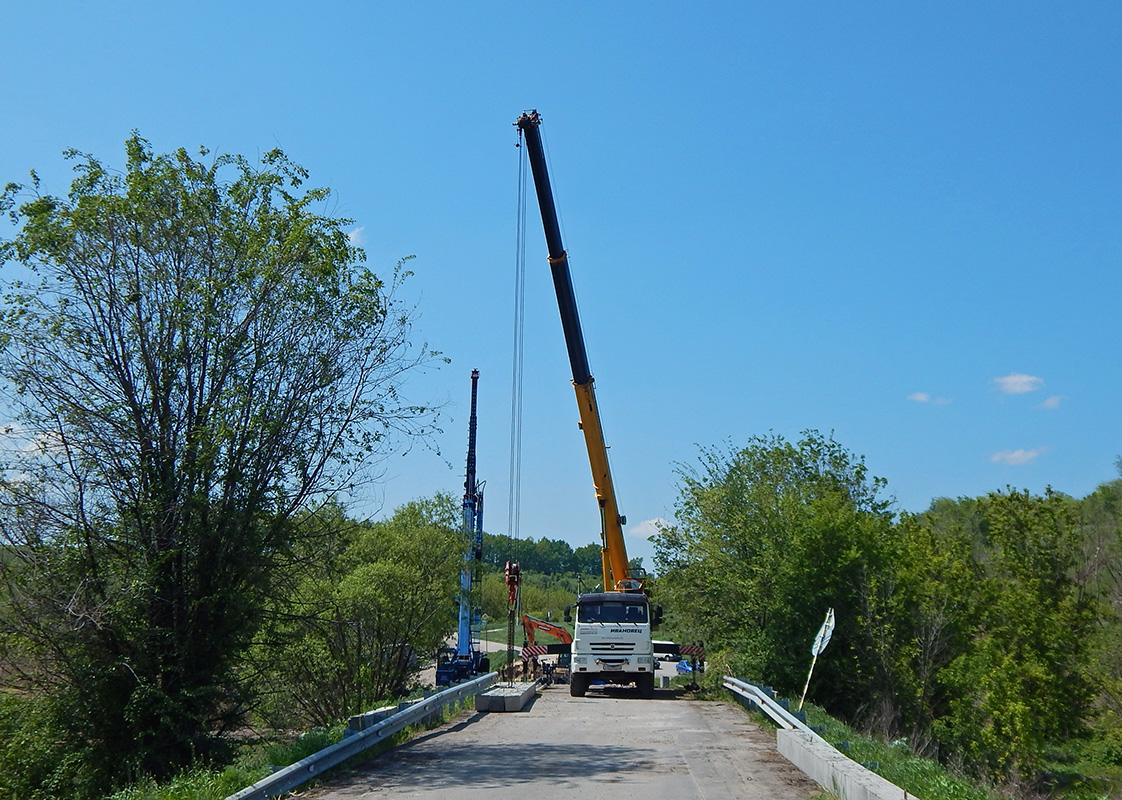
<point x="543" y="556"/>
<point x="768" y="537"/>
<point x="1101" y="523"/>
<point x="357" y="626"/>
<point x="1101" y="567"/>
<point x="586" y="560"/>
<point x="1025" y="683"/>
<point x="195" y="355"/>
<point x="921" y="615"/>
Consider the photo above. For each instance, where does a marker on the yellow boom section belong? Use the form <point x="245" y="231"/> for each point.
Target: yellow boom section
<point x="617" y="574"/>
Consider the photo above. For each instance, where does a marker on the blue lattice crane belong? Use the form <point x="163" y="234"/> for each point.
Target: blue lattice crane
<point x="466" y="658"/>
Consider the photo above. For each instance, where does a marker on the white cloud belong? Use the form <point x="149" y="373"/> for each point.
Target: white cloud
<point x="355" y="237"/>
<point x="1016" y="457"/>
<point x="1018" y="383"/>
<point x="924" y="397"/>
<point x="647" y="528"/>
<point x="1052" y="402"/>
<point x="15" y="438"/>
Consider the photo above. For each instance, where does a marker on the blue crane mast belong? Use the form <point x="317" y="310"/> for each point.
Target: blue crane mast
<point x="466" y="658"/>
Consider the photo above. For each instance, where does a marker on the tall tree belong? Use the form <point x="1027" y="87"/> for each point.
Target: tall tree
<point x="923" y="615"/>
<point x="1025" y="683"/>
<point x="768" y="536"/>
<point x="195" y="354"/>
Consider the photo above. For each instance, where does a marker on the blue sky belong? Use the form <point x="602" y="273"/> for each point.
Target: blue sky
<point x="899" y="223"/>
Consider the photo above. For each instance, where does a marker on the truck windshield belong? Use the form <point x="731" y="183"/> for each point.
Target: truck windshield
<point x="612" y="612"/>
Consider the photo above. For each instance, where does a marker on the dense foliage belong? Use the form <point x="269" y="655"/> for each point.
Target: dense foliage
<point x="772" y="534"/>
<point x="194" y="358"/>
<point x="985" y="630"/>
<point x="358" y="621"/>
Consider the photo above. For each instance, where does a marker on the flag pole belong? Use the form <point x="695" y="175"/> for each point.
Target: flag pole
<point x="813" y="661"/>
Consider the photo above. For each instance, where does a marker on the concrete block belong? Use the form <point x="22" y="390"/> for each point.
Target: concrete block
<point x="361" y="722"/>
<point x="833" y="770"/>
<point x="505" y="698"/>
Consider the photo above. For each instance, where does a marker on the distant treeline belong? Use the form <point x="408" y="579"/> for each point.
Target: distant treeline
<point x="543" y="556"/>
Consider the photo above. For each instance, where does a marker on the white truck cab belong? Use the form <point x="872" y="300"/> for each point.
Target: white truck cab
<point x="612" y="641"/>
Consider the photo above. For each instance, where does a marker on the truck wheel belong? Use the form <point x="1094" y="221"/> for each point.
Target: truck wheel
<point x="645" y="683"/>
<point x="578" y="684"/>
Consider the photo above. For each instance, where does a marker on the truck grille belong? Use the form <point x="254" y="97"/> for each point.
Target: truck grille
<point x="622" y="648"/>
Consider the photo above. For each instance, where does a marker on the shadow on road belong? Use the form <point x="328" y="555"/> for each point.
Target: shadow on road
<point x="499" y="766"/>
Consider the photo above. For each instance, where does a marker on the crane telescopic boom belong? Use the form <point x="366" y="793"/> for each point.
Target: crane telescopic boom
<point x="616" y="571"/>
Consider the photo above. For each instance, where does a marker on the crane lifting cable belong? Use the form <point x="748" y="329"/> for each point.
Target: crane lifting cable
<point x="514" y="505"/>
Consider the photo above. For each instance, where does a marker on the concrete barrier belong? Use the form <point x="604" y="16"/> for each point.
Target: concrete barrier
<point x="368" y="719"/>
<point x="821" y="761"/>
<point x="833" y="770"/>
<point x="506" y="698"/>
<point x="360" y="722"/>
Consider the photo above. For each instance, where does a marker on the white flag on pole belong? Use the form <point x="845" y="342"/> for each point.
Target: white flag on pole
<point x="824" y="634"/>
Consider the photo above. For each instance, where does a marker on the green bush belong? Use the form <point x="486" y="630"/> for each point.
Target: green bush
<point x="36" y="761"/>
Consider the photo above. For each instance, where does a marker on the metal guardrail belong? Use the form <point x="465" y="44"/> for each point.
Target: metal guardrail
<point x="765" y="700"/>
<point x="286" y="779"/>
<point x="819" y="759"/>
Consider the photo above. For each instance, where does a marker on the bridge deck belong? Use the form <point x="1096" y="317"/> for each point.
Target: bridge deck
<point x="606" y="745"/>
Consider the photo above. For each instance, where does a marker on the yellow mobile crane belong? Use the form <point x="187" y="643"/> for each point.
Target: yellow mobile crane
<point x="617" y="571"/>
<point x="612" y="640"/>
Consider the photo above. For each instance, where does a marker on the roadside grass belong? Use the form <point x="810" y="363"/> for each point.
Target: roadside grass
<point x="895" y="762"/>
<point x="929" y="780"/>
<point x="926" y="778"/>
<point x="197" y="784"/>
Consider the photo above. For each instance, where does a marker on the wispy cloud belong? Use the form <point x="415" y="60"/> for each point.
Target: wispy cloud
<point x="1018" y="383"/>
<point x="647" y="528"/>
<point x="1016" y="457"/>
<point x="355" y="237"/>
<point x="1052" y="402"/>
<point x="15" y="438"/>
<point x="924" y="397"/>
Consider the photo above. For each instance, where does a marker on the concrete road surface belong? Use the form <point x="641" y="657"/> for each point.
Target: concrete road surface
<point x="609" y="745"/>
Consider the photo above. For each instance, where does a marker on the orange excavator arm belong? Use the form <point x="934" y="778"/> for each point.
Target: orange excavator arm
<point x="531" y="624"/>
